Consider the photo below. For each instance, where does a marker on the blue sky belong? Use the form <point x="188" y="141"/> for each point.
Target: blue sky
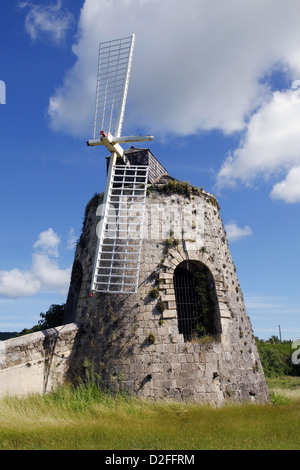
<point x="216" y="83"/>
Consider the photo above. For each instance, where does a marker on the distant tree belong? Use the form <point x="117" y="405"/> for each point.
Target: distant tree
<point x="274" y="340"/>
<point x="27" y="331"/>
<point x="6" y="335"/>
<point x="276" y="357"/>
<point x="53" y="317"/>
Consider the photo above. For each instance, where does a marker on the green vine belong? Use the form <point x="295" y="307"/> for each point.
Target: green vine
<point x="170" y="242"/>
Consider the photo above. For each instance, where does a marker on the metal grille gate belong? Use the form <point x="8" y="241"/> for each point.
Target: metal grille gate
<point x="187" y="303"/>
<point x="119" y="249"/>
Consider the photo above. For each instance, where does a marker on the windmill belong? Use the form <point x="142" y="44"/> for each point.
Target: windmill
<point x="144" y="330"/>
<point x="117" y="258"/>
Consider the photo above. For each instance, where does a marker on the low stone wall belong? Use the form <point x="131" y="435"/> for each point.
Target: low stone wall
<point x="38" y="362"/>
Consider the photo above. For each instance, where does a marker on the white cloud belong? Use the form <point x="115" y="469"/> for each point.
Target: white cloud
<point x="202" y="69"/>
<point x="48" y="241"/>
<point x="16" y="283"/>
<point x="236" y="233"/>
<point x="47" y="271"/>
<point x="271" y="145"/>
<point x="288" y="190"/>
<point x="44" y="274"/>
<point x="51" y="20"/>
<point x="194" y="68"/>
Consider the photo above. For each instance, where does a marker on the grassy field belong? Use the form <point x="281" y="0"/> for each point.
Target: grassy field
<point x="89" y="419"/>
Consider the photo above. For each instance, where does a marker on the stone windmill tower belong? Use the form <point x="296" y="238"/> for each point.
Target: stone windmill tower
<point x="153" y="287"/>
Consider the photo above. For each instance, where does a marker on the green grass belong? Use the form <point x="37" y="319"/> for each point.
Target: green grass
<point x="87" y="418"/>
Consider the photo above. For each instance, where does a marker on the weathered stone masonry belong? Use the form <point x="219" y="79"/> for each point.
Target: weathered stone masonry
<point x="134" y="345"/>
<point x="36" y="363"/>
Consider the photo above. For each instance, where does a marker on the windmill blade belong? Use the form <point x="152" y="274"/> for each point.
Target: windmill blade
<point x="114" y="64"/>
<point x="117" y="257"/>
<point x="116" y="265"/>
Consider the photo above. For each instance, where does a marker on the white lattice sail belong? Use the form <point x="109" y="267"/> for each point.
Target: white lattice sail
<point x="114" y="64"/>
<point x="117" y="258"/>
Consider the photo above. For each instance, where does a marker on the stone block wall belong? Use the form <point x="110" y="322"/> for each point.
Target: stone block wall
<point x="36" y="363"/>
<point x="131" y="344"/>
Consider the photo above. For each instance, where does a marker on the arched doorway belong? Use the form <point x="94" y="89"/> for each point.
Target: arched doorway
<point x="196" y="301"/>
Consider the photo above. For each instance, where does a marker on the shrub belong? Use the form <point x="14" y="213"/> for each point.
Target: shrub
<point x="154" y="293"/>
<point x="151" y="338"/>
<point x="276" y="358"/>
<point x="161" y="306"/>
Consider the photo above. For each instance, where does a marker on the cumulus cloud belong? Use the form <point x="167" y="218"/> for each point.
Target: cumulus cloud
<point x="16" y="283"/>
<point x="195" y="68"/>
<point x="288" y="190"/>
<point x="47" y="271"/>
<point x="51" y="20"/>
<point x="44" y="274"/>
<point x="48" y="241"/>
<point x="236" y="233"/>
<point x="270" y="147"/>
<point x="271" y="142"/>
